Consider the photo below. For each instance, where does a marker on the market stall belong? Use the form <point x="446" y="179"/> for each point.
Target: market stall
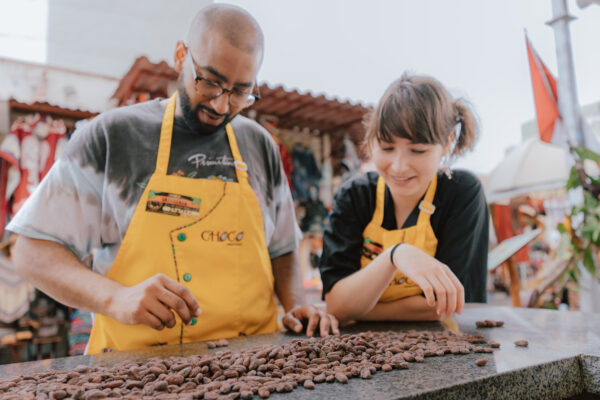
<point x="525" y="191"/>
<point x="43" y="105"/>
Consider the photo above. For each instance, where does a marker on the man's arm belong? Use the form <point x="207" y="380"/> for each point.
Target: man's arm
<point x="56" y="271"/>
<point x="288" y="280"/>
<point x="289" y="290"/>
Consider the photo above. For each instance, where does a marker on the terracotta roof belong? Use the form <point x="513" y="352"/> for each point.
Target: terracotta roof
<point x="305" y="110"/>
<point x="145" y="77"/>
<point x="46" y="108"/>
<point x="292" y="108"/>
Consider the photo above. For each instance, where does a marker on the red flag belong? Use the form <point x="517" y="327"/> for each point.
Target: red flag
<point x="544" y="93"/>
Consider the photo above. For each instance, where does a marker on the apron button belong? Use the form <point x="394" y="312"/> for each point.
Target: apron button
<point x="187" y="277"/>
<point x="181" y="237"/>
<point x="194" y="320"/>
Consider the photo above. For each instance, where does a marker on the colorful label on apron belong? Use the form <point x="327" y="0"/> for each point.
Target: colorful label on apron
<point x="173" y="204"/>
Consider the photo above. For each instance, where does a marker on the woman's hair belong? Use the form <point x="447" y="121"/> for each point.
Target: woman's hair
<point x="420" y="109"/>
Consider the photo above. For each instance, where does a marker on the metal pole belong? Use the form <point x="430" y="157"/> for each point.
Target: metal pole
<point x="568" y="103"/>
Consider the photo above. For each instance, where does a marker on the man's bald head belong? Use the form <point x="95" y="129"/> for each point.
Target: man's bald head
<point x="238" y="27"/>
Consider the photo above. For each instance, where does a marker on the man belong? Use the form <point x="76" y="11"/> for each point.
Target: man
<point x="174" y="258"/>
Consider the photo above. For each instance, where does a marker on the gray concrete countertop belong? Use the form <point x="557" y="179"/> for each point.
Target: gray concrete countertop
<point x="561" y="361"/>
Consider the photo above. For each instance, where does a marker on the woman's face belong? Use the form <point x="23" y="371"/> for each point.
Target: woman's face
<point x="407" y="167"/>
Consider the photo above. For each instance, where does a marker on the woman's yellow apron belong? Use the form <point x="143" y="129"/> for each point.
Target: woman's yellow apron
<point x="206" y="234"/>
<point x="376" y="239"/>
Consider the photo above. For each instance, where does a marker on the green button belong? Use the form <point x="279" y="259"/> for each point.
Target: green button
<point x="187" y="277"/>
<point x="194" y="320"/>
<point x="181" y="237"/>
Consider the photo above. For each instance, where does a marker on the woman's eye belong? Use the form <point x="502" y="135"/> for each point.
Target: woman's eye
<point x="419" y="151"/>
<point x="387" y="148"/>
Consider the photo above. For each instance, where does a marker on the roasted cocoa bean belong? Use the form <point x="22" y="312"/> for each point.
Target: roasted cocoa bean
<point x="264" y="392"/>
<point x="481" y="362"/>
<point x="308" y="384"/>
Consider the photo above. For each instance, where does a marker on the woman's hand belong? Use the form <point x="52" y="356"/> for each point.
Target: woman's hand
<point x="435" y="278"/>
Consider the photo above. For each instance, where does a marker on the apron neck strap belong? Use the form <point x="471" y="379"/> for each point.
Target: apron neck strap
<point x="241" y="169"/>
<point x="166" y="132"/>
<point x="379" y="202"/>
<point x="426" y="206"/>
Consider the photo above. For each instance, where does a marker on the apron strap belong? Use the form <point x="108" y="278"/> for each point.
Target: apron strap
<point x="426" y="208"/>
<point x="379" y="202"/>
<point x="166" y="131"/>
<point x="241" y="168"/>
<point x="164" y="144"/>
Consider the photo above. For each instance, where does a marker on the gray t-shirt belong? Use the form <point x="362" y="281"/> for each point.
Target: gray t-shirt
<point x="88" y="198"/>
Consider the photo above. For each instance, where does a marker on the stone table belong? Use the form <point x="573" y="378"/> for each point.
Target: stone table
<point x="561" y="361"/>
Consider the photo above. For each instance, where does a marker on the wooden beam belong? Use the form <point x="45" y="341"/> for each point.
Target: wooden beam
<point x="515" y="282"/>
<point x="45" y="108"/>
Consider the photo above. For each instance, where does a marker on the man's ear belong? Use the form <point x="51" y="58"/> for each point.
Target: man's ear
<point x="179" y="57"/>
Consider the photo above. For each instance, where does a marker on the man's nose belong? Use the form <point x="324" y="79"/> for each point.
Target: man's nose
<point x="221" y="104"/>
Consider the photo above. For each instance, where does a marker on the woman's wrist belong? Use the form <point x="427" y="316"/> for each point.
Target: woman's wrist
<point x="393" y="251"/>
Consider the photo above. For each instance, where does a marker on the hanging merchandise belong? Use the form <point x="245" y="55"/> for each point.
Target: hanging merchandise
<point x="29" y="150"/>
<point x="15" y="292"/>
<point x="286" y="160"/>
<point x="315" y="212"/>
<point x="270" y="124"/>
<point x="9" y="179"/>
<point x="351" y="161"/>
<point x="306" y="171"/>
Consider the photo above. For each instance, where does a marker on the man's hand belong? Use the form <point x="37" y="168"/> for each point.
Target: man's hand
<point x="152" y="303"/>
<point x="315" y="315"/>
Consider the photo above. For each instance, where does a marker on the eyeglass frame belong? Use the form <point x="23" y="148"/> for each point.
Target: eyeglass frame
<point x="210" y="82"/>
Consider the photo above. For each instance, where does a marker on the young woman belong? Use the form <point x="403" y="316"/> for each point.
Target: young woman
<point x="410" y="241"/>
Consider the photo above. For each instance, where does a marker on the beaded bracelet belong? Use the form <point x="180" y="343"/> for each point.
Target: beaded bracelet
<point x="392" y="252"/>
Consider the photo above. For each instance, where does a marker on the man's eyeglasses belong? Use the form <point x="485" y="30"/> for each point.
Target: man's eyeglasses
<point x="211" y="89"/>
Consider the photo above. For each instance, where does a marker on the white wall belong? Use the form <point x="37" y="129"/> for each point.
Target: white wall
<point x="107" y="36"/>
<point x="23" y="26"/>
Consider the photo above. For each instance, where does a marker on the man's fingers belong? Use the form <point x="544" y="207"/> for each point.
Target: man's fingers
<point x="152" y="321"/>
<point x="184" y="293"/>
<point x="335" y="325"/>
<point x="324" y="324"/>
<point x="292" y="323"/>
<point x="171" y="300"/>
<point x="162" y="312"/>
<point x="313" y="319"/>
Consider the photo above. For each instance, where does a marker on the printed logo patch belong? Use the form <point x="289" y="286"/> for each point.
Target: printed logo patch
<point x="173" y="204"/>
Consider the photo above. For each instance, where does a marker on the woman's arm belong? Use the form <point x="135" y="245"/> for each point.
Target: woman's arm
<point x="356" y="295"/>
<point x="413" y="308"/>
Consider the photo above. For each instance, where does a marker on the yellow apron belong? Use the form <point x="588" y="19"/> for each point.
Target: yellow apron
<point x="376" y="239"/>
<point x="206" y="234"/>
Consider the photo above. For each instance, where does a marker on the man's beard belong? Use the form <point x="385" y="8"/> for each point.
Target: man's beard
<point x="190" y="116"/>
